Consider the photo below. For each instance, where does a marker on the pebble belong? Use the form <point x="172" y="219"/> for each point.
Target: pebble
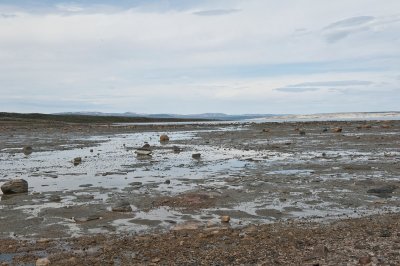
<point x="196" y="155"/>
<point x="42" y="262"/>
<point x="364" y="260"/>
<point x="225" y="219"/>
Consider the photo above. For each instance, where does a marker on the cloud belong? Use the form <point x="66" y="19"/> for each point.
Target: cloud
<point x="296" y="89"/>
<point x="5" y="15"/>
<point x="336" y="83"/>
<point x="68" y="7"/>
<point x="216" y="12"/>
<point x="350" y="22"/>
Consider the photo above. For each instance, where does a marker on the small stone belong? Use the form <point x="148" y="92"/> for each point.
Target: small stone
<point x="15" y="186"/>
<point x="385" y="233"/>
<point x="364" y="260"/>
<point x="167" y="182"/>
<point x="196" y="155"/>
<point x="302" y="132"/>
<point x="225" y="219"/>
<point x="176" y="149"/>
<point x="91" y="150"/>
<point x="77" y="161"/>
<point x="164" y="138"/>
<point x="27" y="150"/>
<point x="42" y="262"/>
<point x="325" y="130"/>
<point x="43" y="240"/>
<point x="155" y="260"/>
<point x="55" y="198"/>
<point x="337" y="129"/>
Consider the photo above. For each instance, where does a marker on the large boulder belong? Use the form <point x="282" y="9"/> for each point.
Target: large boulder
<point x="15" y="186"/>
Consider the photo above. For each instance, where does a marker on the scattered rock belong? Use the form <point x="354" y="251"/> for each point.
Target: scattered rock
<point x="77" y="161"/>
<point x="364" y="260"/>
<point x="265" y="130"/>
<point x="15" y="186"/>
<point x="383" y="190"/>
<point x="164" y="138"/>
<point x="122" y="206"/>
<point x="196" y="155"/>
<point x="91" y="150"/>
<point x="325" y="130"/>
<point x="225" y="219"/>
<point x="337" y="130"/>
<point x="27" y="150"/>
<point x="86" y="218"/>
<point x="42" y="262"/>
<point x="302" y="132"/>
<point x="167" y="182"/>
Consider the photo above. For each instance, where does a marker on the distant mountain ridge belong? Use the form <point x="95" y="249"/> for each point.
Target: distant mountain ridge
<point x="211" y="116"/>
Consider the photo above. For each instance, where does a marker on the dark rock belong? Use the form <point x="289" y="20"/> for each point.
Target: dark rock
<point x="27" y="150"/>
<point x="55" y="198"/>
<point x="385" y="233"/>
<point x="383" y="190"/>
<point x="325" y="130"/>
<point x="167" y="182"/>
<point x="122" y="206"/>
<point x="77" y="161"/>
<point x="196" y="155"/>
<point x="15" y="186"/>
<point x="176" y="149"/>
<point x="302" y="132"/>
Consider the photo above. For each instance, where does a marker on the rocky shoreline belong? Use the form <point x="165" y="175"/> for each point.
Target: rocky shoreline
<point x="300" y="193"/>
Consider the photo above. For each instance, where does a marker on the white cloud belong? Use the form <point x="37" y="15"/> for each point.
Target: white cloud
<point x="216" y="52"/>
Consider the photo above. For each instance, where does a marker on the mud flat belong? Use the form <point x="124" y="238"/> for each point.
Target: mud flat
<point x="295" y="193"/>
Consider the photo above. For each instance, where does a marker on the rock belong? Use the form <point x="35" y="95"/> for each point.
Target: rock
<point x="225" y="219"/>
<point x="27" y="150"/>
<point x="55" y="198"/>
<point x="337" y="130"/>
<point x="15" y="186"/>
<point x="265" y="130"/>
<point x="196" y="155"/>
<point x="146" y="146"/>
<point x="86" y="218"/>
<point x="164" y="138"/>
<point x="42" y="262"/>
<point x="167" y="182"/>
<point x="176" y="149"/>
<point x="122" y="206"/>
<point x="302" y="132"/>
<point x="77" y="161"/>
<point x="364" y="260"/>
<point x="383" y="190"/>
<point x="325" y="130"/>
<point x="385" y="233"/>
<point x="91" y="150"/>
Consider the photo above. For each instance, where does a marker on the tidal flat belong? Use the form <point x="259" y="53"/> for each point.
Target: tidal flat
<point x="295" y="193"/>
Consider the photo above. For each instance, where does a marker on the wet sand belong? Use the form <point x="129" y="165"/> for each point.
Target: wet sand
<point x="298" y="181"/>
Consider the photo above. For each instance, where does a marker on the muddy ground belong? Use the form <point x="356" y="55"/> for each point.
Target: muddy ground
<point x="296" y="193"/>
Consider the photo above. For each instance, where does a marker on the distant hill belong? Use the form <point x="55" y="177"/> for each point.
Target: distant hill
<point x="205" y="116"/>
<point x="88" y="118"/>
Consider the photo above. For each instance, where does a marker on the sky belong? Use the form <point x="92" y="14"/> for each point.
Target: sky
<point x="187" y="56"/>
